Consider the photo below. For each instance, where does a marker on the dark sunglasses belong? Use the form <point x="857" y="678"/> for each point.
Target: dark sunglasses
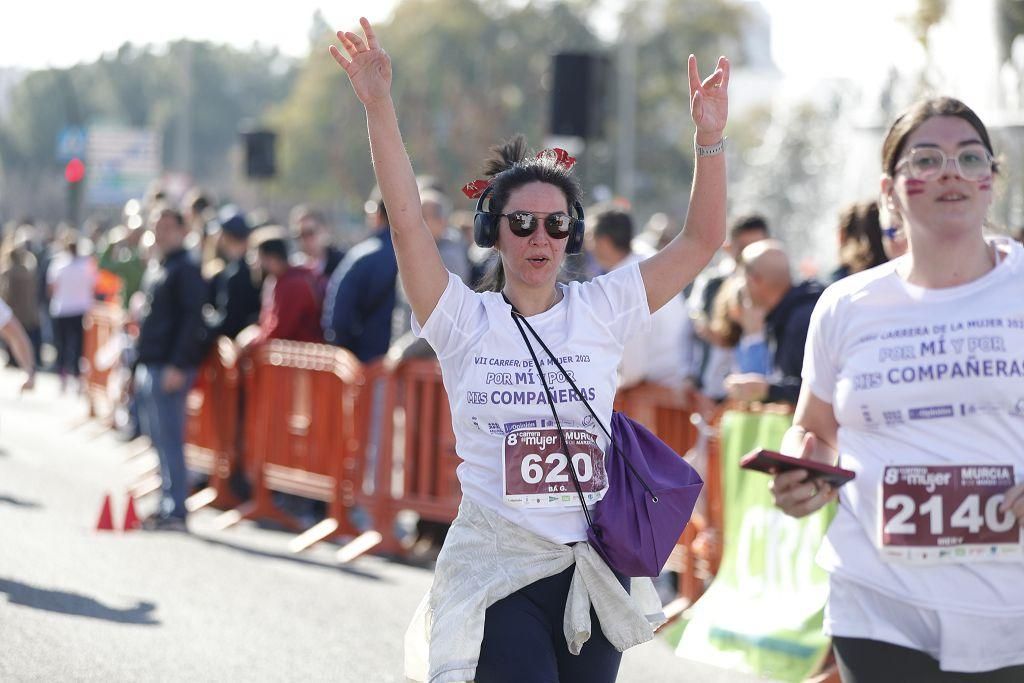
<point x="524" y="223"/>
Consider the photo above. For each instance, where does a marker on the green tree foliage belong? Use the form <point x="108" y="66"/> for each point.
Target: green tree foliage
<point x="666" y="34"/>
<point x="469" y="73"/>
<point x="466" y="75"/>
<point x="217" y="87"/>
<point x="927" y="14"/>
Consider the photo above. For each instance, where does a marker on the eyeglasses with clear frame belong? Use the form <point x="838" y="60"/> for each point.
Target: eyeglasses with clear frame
<point x="973" y="163"/>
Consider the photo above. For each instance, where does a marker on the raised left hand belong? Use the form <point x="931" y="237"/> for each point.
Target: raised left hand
<point x="367" y="65"/>
<point x="709" y="101"/>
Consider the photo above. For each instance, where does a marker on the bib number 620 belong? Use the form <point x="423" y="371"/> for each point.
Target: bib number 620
<point x="552" y="468"/>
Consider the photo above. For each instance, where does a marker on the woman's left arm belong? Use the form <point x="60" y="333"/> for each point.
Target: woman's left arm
<point x="678" y="263"/>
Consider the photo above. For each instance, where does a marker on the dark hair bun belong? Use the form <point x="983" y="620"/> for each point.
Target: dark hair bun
<point x="505" y="155"/>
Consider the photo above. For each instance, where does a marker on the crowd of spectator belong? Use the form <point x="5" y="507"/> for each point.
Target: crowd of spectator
<point x="737" y="332"/>
<point x="190" y="273"/>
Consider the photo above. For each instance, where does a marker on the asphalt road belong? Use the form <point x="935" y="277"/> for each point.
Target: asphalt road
<point x="77" y="604"/>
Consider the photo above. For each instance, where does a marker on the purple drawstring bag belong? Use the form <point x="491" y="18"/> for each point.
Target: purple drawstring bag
<point x="651" y="489"/>
<point x="651" y="495"/>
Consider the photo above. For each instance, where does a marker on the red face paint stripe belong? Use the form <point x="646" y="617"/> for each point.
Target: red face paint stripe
<point x="914" y="187"/>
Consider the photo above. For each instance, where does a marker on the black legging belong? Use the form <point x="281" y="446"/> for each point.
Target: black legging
<point x="871" y="661"/>
<point x="524" y="640"/>
<point x="68" y="335"/>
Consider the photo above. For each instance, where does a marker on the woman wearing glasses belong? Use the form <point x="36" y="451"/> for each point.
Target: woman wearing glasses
<point x="914" y="378"/>
<point x="515" y="581"/>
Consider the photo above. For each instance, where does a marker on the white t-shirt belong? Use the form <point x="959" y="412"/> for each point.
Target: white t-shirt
<point x="921" y="377"/>
<point x="493" y="387"/>
<point x="658" y="354"/>
<point x="5" y="313"/>
<point x="74" y="282"/>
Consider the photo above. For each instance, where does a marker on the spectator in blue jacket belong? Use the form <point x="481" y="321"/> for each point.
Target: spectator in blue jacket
<point x="360" y="295"/>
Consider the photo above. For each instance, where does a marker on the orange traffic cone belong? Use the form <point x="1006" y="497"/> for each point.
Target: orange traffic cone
<point x="106" y="522"/>
<point x="131" y="519"/>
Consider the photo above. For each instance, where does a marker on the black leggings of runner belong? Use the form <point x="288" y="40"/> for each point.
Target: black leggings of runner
<point x="68" y="336"/>
<point x="524" y="641"/>
<point x="871" y="661"/>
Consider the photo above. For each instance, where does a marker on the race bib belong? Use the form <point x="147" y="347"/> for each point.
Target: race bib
<point x="942" y="514"/>
<point x="536" y="468"/>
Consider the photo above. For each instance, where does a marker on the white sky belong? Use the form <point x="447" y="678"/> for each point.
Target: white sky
<point x="811" y="39"/>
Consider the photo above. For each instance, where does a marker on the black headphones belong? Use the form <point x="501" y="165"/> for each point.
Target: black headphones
<point x="485" y="226"/>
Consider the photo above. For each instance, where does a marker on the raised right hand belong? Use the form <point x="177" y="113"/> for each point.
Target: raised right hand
<point x="367" y="65"/>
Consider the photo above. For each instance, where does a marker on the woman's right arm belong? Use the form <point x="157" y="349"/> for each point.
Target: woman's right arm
<point x="812" y="436"/>
<point x="419" y="262"/>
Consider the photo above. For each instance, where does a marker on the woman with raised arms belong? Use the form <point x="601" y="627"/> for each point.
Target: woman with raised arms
<point x="518" y="593"/>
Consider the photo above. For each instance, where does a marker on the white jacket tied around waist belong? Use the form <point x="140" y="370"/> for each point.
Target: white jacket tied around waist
<point x="486" y="558"/>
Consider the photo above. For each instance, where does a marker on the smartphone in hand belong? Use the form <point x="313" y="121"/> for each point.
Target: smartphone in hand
<point x="772" y="462"/>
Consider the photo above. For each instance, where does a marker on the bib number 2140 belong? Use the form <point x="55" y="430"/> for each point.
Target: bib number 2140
<point x="947" y="514"/>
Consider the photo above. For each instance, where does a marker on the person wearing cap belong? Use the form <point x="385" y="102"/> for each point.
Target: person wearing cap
<point x="234" y="298"/>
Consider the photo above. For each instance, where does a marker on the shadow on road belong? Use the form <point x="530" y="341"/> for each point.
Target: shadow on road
<point x="290" y="558"/>
<point x="18" y="502"/>
<point x="63" y="602"/>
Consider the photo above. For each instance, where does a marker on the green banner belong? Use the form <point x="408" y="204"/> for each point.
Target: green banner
<point x="763" y="612"/>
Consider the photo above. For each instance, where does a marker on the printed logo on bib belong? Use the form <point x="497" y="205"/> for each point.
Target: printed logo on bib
<point x="940" y="514"/>
<point x="536" y="471"/>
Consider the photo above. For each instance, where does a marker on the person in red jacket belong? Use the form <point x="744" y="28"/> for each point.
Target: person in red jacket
<point x="290" y="299"/>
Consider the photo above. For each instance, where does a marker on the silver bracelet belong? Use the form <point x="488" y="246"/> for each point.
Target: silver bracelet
<point x="709" y="150"/>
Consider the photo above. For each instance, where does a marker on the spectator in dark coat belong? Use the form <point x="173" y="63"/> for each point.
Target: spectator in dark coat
<point x="770" y="286"/>
<point x="234" y="301"/>
<point x="361" y="294"/>
<point x="18" y="288"/>
<point x="169" y="347"/>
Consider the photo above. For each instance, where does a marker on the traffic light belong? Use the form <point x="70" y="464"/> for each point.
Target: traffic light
<point x="74" y="171"/>
<point x="74" y="174"/>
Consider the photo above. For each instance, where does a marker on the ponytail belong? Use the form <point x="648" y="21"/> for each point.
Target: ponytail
<point x="494" y="279"/>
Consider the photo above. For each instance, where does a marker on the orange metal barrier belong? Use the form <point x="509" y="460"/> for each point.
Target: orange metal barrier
<point x="300" y="428"/>
<point x="100" y="325"/>
<point x="373" y="443"/>
<point x="212" y="426"/>
<point x="662" y="410"/>
<point x="411" y="451"/>
<point x="666" y="413"/>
